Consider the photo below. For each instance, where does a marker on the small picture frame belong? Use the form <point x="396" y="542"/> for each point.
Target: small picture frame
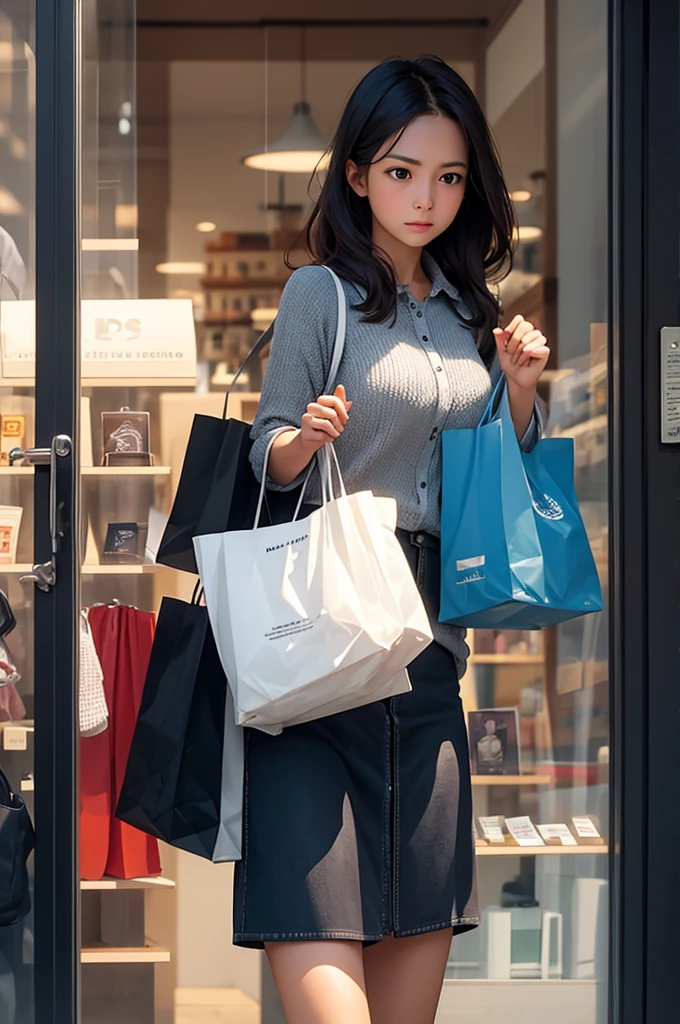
<point x="10" y="524"/>
<point x="494" y="741"/>
<point x="123" y="545"/>
<point x="126" y="438"/>
<point x="12" y="434"/>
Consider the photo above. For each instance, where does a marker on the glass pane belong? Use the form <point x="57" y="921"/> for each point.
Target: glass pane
<point x="17" y="425"/>
<point x="543" y="938"/>
<point x="183" y="267"/>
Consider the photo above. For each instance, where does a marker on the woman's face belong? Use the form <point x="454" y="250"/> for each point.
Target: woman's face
<point x="416" y="189"/>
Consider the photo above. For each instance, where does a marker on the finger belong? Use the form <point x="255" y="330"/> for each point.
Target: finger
<point x="514" y="323"/>
<point x="341" y="393"/>
<point x="318" y="430"/>
<point x="530" y="341"/>
<point x="518" y="334"/>
<point x="335" y="414"/>
<point x="333" y="402"/>
<point x="540" y="353"/>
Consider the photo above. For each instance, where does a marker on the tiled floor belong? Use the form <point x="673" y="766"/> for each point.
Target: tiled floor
<point x="215" y="1006"/>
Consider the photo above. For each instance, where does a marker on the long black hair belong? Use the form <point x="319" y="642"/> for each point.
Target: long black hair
<point x="475" y="249"/>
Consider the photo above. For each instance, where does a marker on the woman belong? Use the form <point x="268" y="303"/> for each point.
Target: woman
<point x="358" y="862"/>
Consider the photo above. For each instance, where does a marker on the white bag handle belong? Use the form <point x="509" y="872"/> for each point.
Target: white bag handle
<point x="336" y="358"/>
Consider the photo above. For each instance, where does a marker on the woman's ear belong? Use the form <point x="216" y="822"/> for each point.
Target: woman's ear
<point x="357" y="178"/>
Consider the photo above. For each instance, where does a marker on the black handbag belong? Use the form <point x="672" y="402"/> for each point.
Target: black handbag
<point x="173" y="780"/>
<point x="217" y="490"/>
<point x="17" y="840"/>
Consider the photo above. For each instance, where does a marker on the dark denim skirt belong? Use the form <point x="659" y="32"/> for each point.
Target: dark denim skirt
<point x="359" y="825"/>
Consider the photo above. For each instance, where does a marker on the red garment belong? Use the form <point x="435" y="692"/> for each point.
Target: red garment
<point x="123" y="638"/>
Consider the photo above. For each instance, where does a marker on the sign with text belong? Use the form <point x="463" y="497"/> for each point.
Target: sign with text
<point x="119" y="338"/>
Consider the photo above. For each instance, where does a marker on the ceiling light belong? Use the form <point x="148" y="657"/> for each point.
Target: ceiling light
<point x="528" y="233"/>
<point x="520" y="195"/>
<point x="302" y="147"/>
<point x="180" y="268"/>
<point x="205" y="226"/>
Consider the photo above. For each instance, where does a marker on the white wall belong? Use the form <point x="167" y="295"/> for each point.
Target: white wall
<point x="515" y="57"/>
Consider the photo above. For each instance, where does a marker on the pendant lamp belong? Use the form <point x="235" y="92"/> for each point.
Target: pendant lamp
<point x="302" y="146"/>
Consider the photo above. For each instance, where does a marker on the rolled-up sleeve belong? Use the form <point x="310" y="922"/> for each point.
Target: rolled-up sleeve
<point x="299" y="361"/>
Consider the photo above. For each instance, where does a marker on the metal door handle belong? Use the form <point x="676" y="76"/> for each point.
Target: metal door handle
<point x="44" y="574"/>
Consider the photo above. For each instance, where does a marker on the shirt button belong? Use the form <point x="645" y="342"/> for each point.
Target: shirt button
<point x="433" y="434"/>
<point x="425" y="338"/>
<point x="439" y="369"/>
<point x="413" y="305"/>
<point x="423" y="484"/>
<point x="419" y="313"/>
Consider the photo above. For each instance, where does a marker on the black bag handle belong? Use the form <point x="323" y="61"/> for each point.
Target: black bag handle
<point x="338" y="344"/>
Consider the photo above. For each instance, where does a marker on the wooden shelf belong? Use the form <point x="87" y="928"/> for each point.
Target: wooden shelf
<point x="105" y="884"/>
<point x="511" y="780"/>
<point x="506" y="659"/>
<point x="98" y="471"/>
<point x="110" y="382"/>
<point x="22" y="568"/>
<point x="121" y="570"/>
<point x="100" y="953"/>
<point x="537" y="851"/>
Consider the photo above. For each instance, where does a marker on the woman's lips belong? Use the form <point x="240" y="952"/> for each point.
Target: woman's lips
<point x="419" y="225"/>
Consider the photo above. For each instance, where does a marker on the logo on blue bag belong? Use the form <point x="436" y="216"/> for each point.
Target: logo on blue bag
<point x="547" y="508"/>
<point x="472" y="567"/>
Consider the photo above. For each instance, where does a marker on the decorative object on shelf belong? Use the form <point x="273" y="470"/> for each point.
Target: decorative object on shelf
<point x="124" y="544"/>
<point x="523" y="831"/>
<point x="494" y="741"/>
<point x="12" y="434"/>
<point x="10" y="523"/>
<point x="125" y="438"/>
<point x="93" y="711"/>
<point x="522" y="942"/>
<point x="587" y="831"/>
<point x="476" y="838"/>
<point x="556" y="835"/>
<point x="7" y="619"/>
<point x="9" y="676"/>
<point x="492" y="828"/>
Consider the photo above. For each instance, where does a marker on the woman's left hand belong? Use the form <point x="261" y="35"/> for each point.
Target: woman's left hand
<point x="522" y="351"/>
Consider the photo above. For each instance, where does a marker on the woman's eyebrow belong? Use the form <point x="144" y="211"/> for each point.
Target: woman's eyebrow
<point x="417" y="163"/>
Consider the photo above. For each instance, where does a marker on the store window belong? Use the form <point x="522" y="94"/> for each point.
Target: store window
<point x="183" y="243"/>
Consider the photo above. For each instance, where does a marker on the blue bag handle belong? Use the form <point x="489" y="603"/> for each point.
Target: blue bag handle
<point x="494" y="403"/>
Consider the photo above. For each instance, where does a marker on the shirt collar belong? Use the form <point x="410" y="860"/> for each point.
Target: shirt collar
<point x="440" y="283"/>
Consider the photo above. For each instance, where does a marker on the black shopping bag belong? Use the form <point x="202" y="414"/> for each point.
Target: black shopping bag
<point x="184" y="777"/>
<point x="17" y="839"/>
<point x="217" y="490"/>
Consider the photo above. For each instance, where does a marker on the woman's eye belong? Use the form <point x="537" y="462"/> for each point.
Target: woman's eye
<point x="399" y="173"/>
<point x="451" y="178"/>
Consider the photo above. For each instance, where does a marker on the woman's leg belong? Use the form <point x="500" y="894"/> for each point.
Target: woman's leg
<point x="320" y="982"/>
<point x="404" y="977"/>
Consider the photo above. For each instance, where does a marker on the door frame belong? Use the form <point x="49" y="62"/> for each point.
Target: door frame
<point x="645" y="494"/>
<point x="57" y="391"/>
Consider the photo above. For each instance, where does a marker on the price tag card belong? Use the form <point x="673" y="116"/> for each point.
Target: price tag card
<point x="586" y="830"/>
<point x="523" y="831"/>
<point x="557" y="835"/>
<point x="492" y="829"/>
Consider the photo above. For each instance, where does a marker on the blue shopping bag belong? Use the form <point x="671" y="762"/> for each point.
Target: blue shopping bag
<point x="514" y="548"/>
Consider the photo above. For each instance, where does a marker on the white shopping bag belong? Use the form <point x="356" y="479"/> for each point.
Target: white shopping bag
<point x="314" y="616"/>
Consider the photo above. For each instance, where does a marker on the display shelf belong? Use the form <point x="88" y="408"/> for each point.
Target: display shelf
<point x="538" y="851"/>
<point x="21" y="568"/>
<point x="106" y="884"/>
<point x="511" y="780"/>
<point x="99" y="471"/>
<point x="100" y="953"/>
<point x="110" y="382"/>
<point x="122" y="570"/>
<point x="506" y="659"/>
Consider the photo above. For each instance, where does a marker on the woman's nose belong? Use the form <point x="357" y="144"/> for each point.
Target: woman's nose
<point x="424" y="203"/>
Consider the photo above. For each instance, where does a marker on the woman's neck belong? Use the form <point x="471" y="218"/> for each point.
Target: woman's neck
<point x="406" y="261"/>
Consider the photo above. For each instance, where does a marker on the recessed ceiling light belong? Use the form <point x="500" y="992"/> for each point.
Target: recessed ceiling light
<point x="205" y="226"/>
<point x="180" y="268"/>
<point x="528" y="233"/>
<point x="520" y="195"/>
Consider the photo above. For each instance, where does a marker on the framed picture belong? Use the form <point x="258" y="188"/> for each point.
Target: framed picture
<point x="125" y="437"/>
<point x="494" y="741"/>
<point x="10" y="521"/>
<point x="124" y="544"/>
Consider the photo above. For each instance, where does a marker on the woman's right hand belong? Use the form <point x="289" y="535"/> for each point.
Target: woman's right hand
<point x="324" y="420"/>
